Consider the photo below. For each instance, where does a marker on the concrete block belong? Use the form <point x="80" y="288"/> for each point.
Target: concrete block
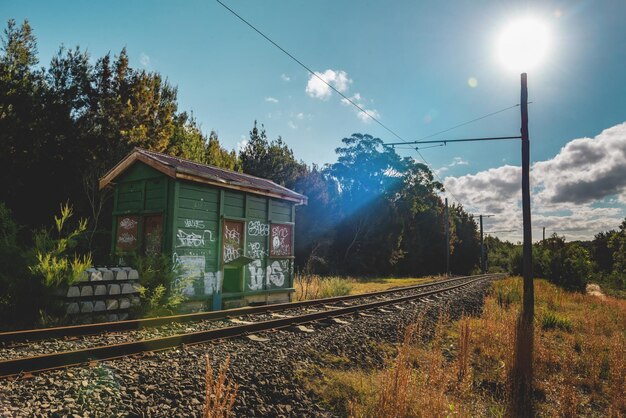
<point x="122" y="316"/>
<point x="128" y="288"/>
<point x="113" y="289"/>
<point x="99" y="306"/>
<point x="94" y="275"/>
<point x="120" y="274"/>
<point x="106" y="274"/>
<point x="99" y="290"/>
<point x="73" y="292"/>
<point x="86" y="307"/>
<point x="112" y="304"/>
<point x="72" y="308"/>
<point x="124" y="303"/>
<point x="86" y="291"/>
<point x="135" y="301"/>
<point x="112" y="318"/>
<point x="133" y="274"/>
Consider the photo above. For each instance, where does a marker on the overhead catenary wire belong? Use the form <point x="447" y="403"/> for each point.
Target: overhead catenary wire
<point x="356" y="105"/>
<point x="313" y="73"/>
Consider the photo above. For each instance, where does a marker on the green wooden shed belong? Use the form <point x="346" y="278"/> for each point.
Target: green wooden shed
<point x="230" y="234"/>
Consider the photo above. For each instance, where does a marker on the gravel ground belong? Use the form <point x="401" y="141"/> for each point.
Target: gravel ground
<point x="171" y="383"/>
<point x="55" y="345"/>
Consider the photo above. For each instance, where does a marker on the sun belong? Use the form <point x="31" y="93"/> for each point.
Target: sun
<point x="523" y="44"/>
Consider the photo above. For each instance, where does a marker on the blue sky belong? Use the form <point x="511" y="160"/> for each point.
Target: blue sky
<point x="409" y="62"/>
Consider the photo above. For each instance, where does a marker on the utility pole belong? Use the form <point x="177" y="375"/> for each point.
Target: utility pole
<point x="482" y="247"/>
<point x="447" y="226"/>
<point x="483" y="258"/>
<point x="544" y="234"/>
<point x="523" y="368"/>
<point x="529" y="297"/>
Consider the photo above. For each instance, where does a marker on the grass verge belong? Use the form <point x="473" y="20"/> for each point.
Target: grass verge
<point x="463" y="370"/>
<point x="314" y="287"/>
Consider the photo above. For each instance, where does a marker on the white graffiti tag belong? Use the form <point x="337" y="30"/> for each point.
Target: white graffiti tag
<point x="192" y="239"/>
<point x="126" y="238"/>
<point x="255" y="250"/>
<point x="258" y="229"/>
<point x="275" y="274"/>
<point x="194" y="223"/>
<point x="231" y="253"/>
<point x="256" y="275"/>
<point x="232" y="235"/>
<point x="281" y="244"/>
<point x="128" y="223"/>
<point x="212" y="283"/>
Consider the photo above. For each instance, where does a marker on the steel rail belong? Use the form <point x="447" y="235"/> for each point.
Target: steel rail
<point x="72" y="358"/>
<point x="136" y="324"/>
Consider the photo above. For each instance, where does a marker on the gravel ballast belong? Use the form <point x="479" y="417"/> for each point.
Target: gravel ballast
<point x="171" y="383"/>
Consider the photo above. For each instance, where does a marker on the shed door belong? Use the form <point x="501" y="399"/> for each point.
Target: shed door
<point x="153" y="234"/>
<point x="232" y="248"/>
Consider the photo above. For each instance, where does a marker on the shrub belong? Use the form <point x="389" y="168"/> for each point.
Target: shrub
<point x="53" y="263"/>
<point x="161" y="285"/>
<point x="335" y="286"/>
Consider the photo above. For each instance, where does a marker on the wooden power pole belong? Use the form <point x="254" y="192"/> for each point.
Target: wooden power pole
<point x="482" y="247"/>
<point x="523" y="372"/>
<point x="447" y="227"/>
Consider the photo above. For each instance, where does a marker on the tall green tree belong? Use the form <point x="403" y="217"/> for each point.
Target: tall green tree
<point x="273" y="160"/>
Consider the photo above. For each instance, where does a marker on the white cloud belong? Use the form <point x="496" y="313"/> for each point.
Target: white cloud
<point x="578" y="193"/>
<point x="292" y="125"/>
<point x="317" y="89"/>
<point x="285" y="77"/>
<point x="144" y="60"/>
<point x="359" y="100"/>
<point x="300" y="115"/>
<point x="365" y="117"/>
<point x="271" y="100"/>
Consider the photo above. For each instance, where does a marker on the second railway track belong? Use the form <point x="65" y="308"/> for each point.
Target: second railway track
<point x="65" y="346"/>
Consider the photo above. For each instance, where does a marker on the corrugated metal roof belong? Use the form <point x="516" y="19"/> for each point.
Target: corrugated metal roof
<point x="202" y="173"/>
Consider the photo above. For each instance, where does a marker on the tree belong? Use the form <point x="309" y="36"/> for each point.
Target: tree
<point x="271" y="160"/>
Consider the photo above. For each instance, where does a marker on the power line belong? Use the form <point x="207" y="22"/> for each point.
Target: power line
<point x="445" y="141"/>
<point x="349" y="100"/>
<point x="470" y="121"/>
<point x="312" y="72"/>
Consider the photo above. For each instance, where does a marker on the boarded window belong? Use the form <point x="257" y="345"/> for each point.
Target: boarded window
<point x="232" y="240"/>
<point x="281" y="238"/>
<point x="126" y="239"/>
<point x="152" y="234"/>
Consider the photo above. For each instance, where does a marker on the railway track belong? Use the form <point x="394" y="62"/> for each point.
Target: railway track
<point x="67" y="346"/>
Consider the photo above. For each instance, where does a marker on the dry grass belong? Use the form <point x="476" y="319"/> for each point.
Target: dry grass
<point x="465" y="369"/>
<point x="220" y="395"/>
<point x="311" y="286"/>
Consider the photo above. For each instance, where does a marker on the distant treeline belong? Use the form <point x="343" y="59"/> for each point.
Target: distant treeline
<point x="63" y="126"/>
<point x="568" y="264"/>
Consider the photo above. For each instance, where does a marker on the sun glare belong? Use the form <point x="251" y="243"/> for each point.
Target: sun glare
<point x="523" y="44"/>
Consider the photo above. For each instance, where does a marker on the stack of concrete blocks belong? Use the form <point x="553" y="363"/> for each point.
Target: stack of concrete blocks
<point x="104" y="294"/>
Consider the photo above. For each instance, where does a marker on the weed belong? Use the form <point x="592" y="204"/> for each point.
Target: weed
<point x="551" y="320"/>
<point x="219" y="395"/>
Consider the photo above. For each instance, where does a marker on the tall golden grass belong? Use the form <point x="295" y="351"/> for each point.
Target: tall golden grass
<point x="465" y="369"/>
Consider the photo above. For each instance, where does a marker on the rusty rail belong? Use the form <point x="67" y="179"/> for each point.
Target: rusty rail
<point x="70" y="358"/>
<point x="135" y="324"/>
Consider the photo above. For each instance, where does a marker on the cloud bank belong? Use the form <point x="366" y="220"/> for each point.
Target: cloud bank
<point x="578" y="193"/>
